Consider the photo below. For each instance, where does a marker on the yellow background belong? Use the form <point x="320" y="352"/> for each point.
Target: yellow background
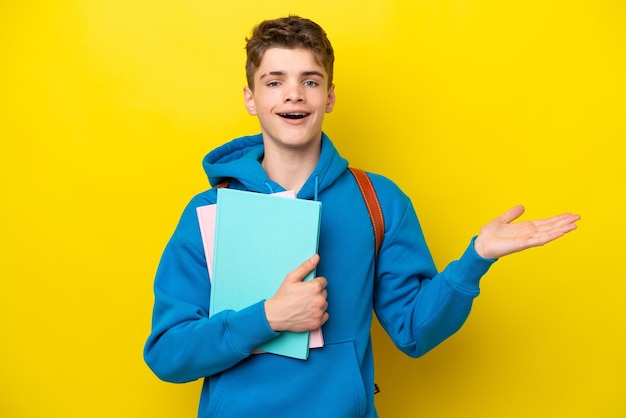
<point x="107" y="108"/>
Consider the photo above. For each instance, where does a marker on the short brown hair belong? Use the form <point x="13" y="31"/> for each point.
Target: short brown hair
<point x="288" y="32"/>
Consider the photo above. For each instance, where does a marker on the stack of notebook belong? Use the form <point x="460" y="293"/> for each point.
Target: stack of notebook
<point x="252" y="241"/>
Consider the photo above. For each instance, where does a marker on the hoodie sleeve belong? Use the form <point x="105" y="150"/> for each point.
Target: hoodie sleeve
<point x="185" y="344"/>
<point x="418" y="306"/>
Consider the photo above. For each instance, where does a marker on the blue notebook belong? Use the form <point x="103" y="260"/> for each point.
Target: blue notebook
<point x="259" y="239"/>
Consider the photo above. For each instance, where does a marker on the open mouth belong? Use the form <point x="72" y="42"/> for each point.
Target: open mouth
<point x="294" y="115"/>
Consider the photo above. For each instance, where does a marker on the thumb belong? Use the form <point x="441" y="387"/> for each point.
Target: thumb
<point x="512" y="214"/>
<point x="300" y="272"/>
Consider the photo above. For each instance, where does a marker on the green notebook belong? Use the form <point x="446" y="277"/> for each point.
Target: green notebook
<point x="259" y="239"/>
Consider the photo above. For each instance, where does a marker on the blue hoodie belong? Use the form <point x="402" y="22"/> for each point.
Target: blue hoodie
<point x="417" y="306"/>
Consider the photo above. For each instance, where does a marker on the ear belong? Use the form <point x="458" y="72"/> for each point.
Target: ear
<point x="248" y="101"/>
<point x="330" y="103"/>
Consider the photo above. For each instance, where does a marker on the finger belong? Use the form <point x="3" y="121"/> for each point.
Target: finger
<point x="512" y="214"/>
<point x="556" y="228"/>
<point x="566" y="219"/>
<point x="564" y="224"/>
<point x="545" y="237"/>
<point x="325" y="318"/>
<point x="300" y="272"/>
<point x="321" y="281"/>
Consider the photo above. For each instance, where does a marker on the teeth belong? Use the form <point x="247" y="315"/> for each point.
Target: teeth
<point x="292" y="115"/>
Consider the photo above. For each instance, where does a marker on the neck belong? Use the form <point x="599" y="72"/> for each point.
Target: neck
<point x="289" y="168"/>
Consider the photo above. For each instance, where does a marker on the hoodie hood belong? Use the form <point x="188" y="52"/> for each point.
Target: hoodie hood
<point x="239" y="161"/>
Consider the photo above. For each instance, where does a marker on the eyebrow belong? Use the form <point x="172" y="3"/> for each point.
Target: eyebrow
<point x="313" y="73"/>
<point x="283" y="73"/>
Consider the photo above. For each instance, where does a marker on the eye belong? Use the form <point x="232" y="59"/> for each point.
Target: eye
<point x="273" y="84"/>
<point x="311" y="83"/>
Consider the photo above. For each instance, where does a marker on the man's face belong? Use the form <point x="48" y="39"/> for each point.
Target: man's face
<point x="290" y="98"/>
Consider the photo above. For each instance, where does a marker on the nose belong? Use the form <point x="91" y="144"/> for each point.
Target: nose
<point x="294" y="92"/>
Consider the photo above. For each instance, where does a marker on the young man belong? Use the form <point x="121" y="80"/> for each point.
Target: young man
<point x="289" y="70"/>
